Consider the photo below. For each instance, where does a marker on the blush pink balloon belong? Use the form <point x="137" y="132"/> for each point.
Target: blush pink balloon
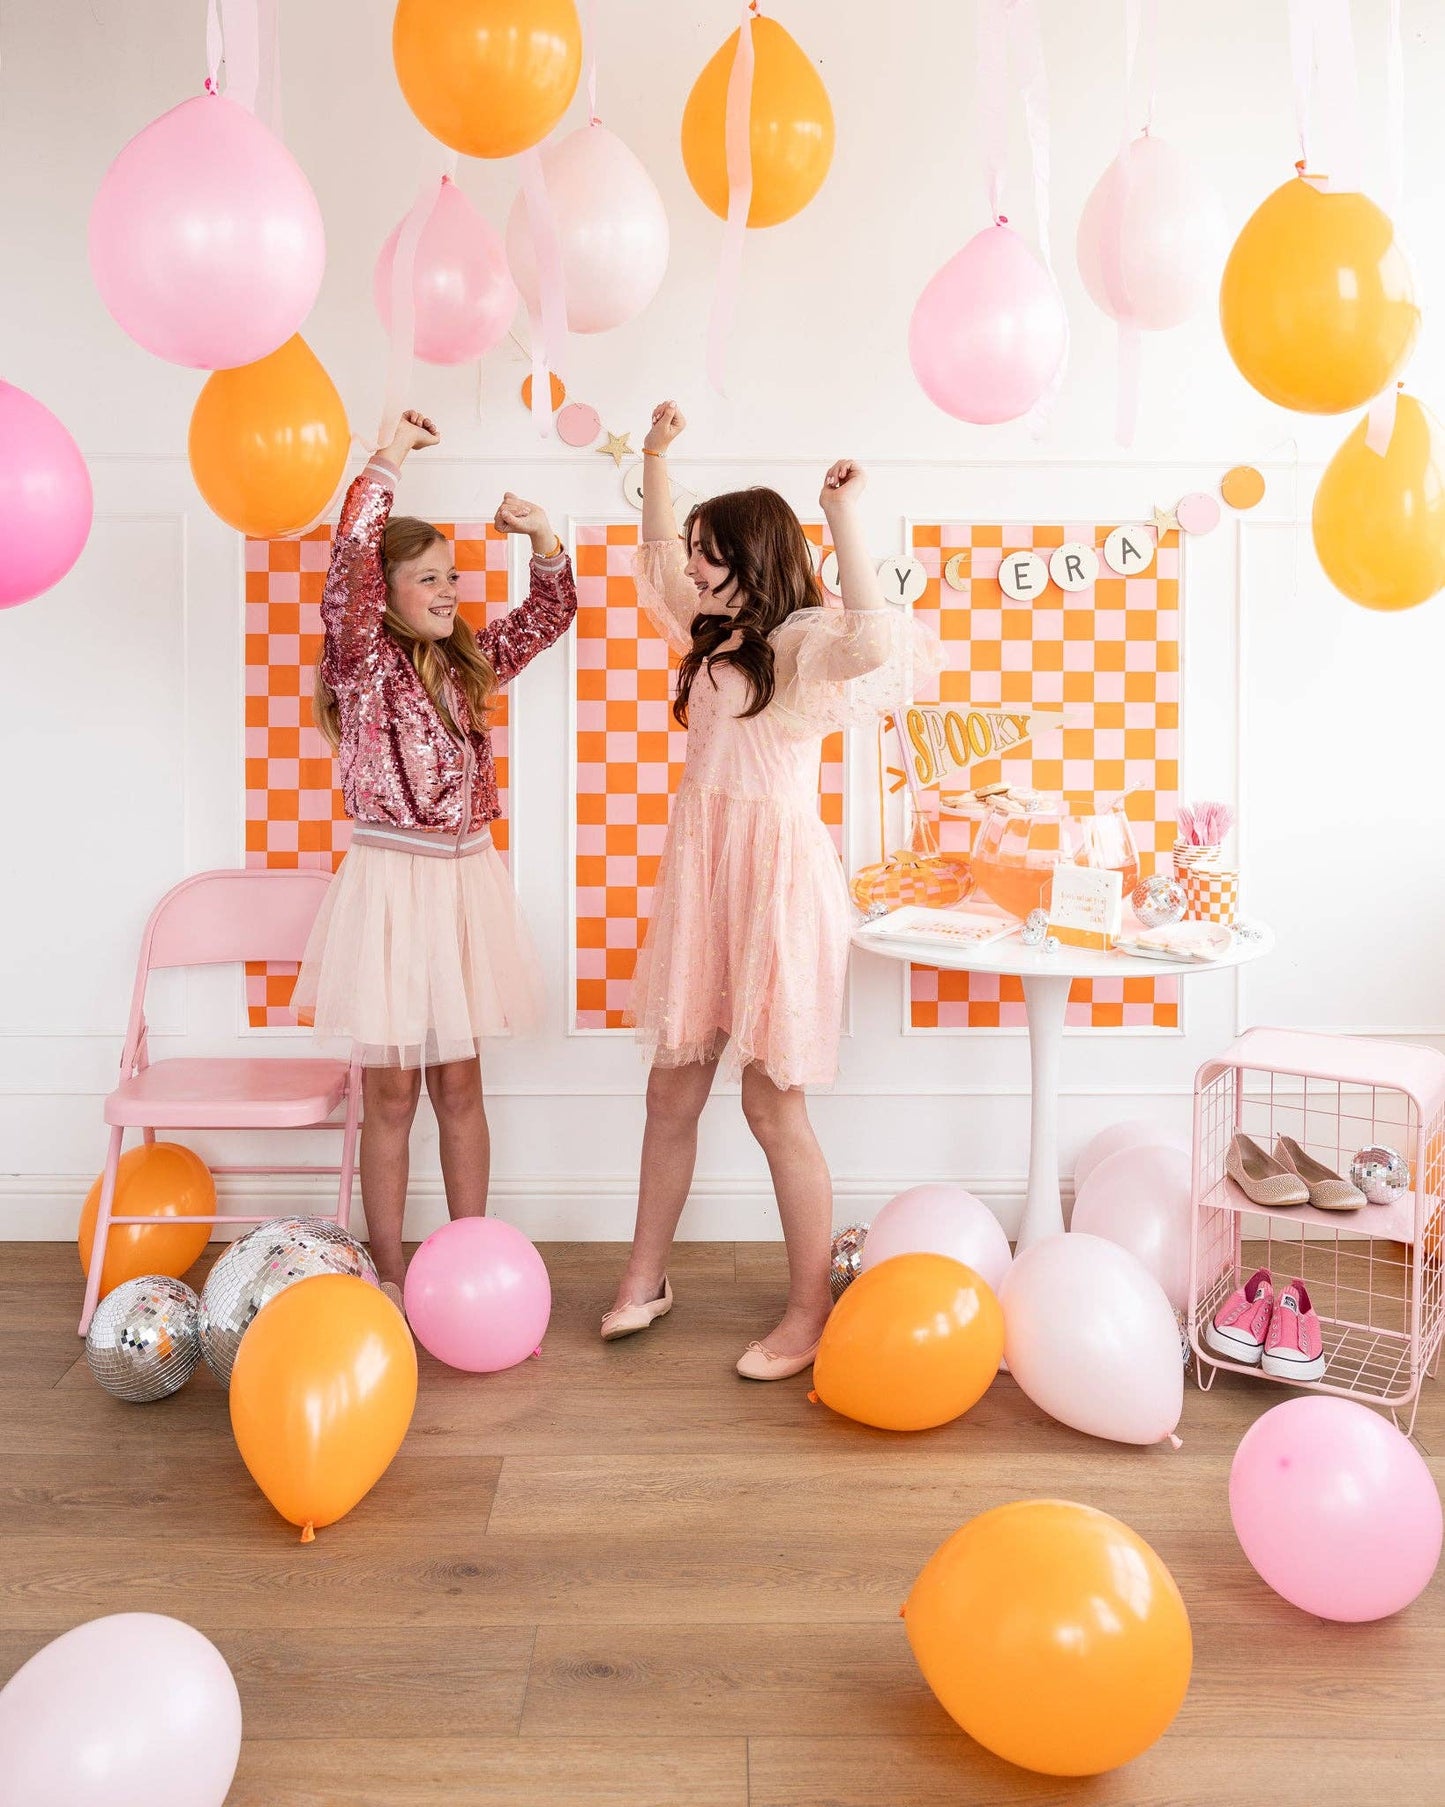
<point x="989" y="332"/>
<point x="611" y="227"/>
<point x="1139" y="1199"/>
<point x="940" y="1220"/>
<point x="45" y="498"/>
<point x="1091" y="1339"/>
<point x="1335" y="1509"/>
<point x="462" y="289"/>
<point x="477" y="1295"/>
<point x="206" y="241"/>
<point x="1133" y="1132"/>
<point x="1151" y="238"/>
<point x="99" y="1714"/>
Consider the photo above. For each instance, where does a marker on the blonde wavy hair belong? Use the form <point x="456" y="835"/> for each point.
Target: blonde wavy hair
<point x="407" y="538"/>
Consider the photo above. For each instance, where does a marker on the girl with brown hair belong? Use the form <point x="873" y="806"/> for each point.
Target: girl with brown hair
<point x="418" y="953"/>
<point x="747" y="947"/>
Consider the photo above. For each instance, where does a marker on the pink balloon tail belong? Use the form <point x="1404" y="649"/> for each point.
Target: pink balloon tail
<point x="1178" y="1442"/>
<point x="536" y="1355"/>
<point x="737" y="140"/>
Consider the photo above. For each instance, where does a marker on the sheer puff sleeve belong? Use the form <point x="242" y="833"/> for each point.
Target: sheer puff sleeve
<point x="839" y="668"/>
<point x="666" y="594"/>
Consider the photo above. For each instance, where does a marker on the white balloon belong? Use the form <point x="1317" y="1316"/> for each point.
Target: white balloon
<point x="940" y="1220"/>
<point x="1091" y="1339"/>
<point x="1133" y="1132"/>
<point x="1139" y="1198"/>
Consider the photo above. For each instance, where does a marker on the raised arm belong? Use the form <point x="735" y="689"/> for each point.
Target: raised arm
<point x="857" y="574"/>
<point x="354" y="599"/>
<point x="659" y="519"/>
<point x="512" y="643"/>
<point x="667" y="596"/>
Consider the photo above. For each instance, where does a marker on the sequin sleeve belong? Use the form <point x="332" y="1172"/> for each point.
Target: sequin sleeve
<point x="354" y="599"/>
<point x="512" y="643"/>
<point x="664" y="591"/>
<point x="837" y="668"/>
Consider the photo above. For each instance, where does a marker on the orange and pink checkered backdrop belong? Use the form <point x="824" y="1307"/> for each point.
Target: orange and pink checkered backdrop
<point x="629" y="760"/>
<point x="294" y="813"/>
<point x="1109" y="657"/>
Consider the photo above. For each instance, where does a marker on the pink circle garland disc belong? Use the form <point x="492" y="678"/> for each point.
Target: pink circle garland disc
<point x="1198" y="513"/>
<point x="578" y="424"/>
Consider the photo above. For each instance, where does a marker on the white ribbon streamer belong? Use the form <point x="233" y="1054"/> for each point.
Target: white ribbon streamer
<point x="738" y="155"/>
<point x="549" y="323"/>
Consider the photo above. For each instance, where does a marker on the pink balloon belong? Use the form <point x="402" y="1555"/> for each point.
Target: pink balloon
<point x="45" y="498"/>
<point x="1139" y="1199"/>
<point x="477" y="1295"/>
<point x="206" y="242"/>
<point x="462" y="289"/>
<point x="1091" y="1339"/>
<point x="611" y="225"/>
<point x="1151" y="238"/>
<point x="1335" y="1509"/>
<point x="1133" y="1132"/>
<point x="100" y="1713"/>
<point x="940" y="1220"/>
<point x="989" y="332"/>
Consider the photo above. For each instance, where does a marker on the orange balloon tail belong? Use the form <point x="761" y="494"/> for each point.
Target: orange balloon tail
<point x="903" y="1610"/>
<point x="308" y="1532"/>
<point x="812" y="1399"/>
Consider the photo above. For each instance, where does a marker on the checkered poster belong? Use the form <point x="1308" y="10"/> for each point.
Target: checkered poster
<point x="1109" y="658"/>
<point x="294" y="813"/>
<point x="629" y="761"/>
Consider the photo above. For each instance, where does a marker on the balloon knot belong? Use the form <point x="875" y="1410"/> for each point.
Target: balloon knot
<point x="211" y="86"/>
<point x="903" y="1610"/>
<point x="1000" y="219"/>
<point x="812" y="1399"/>
<point x="1178" y="1442"/>
<point x="308" y="1532"/>
<point x="537" y="1353"/>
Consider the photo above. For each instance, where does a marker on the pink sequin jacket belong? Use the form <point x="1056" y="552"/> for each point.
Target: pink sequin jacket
<point x="399" y="765"/>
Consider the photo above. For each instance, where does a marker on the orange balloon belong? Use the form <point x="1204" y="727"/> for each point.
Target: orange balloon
<point x="488" y="77"/>
<point x="269" y="442"/>
<point x="1379" y="521"/>
<point x="1054" y="1636"/>
<point x="1317" y="301"/>
<point x="912" y="1343"/>
<point x="790" y="128"/>
<point x="164" y="1181"/>
<point x="321" y="1396"/>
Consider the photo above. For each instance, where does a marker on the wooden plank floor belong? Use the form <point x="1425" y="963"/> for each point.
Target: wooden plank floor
<point x="620" y="1577"/>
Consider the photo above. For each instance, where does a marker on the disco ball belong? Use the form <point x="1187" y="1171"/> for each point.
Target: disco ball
<point x="847" y="1255"/>
<point x="144" y="1340"/>
<point x="1380" y="1174"/>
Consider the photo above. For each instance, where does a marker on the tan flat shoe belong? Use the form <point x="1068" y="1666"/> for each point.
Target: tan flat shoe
<point x="627" y="1320"/>
<point x="1328" y="1192"/>
<point x="758" y="1363"/>
<point x="1263" y="1181"/>
<point x="393" y="1292"/>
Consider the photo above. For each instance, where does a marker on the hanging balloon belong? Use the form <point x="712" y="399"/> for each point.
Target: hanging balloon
<point x="163" y="1181"/>
<point x="1151" y="237"/>
<point x="269" y="442"/>
<point x="489" y="78"/>
<point x="1318" y="300"/>
<point x="45" y="498"/>
<point x="1379" y="521"/>
<point x="462" y="289"/>
<point x="790" y="128"/>
<point x="989" y="332"/>
<point x="611" y="229"/>
<point x="206" y="241"/>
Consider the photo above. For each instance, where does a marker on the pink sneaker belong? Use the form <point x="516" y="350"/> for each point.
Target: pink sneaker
<point x="1238" y="1329"/>
<point x="1295" y="1347"/>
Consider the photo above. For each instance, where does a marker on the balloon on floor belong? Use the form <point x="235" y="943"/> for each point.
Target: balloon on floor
<point x="1092" y="1340"/>
<point x="913" y="1343"/>
<point x="1133" y="1132"/>
<point x="1379" y="519"/>
<point x="46" y="505"/>
<point x="462" y="291"/>
<point x="1140" y="1199"/>
<point x="159" y="1180"/>
<point x="1054" y="1635"/>
<point x="206" y="241"/>
<point x="478" y="1296"/>
<point x="121" y="1712"/>
<point x="1335" y="1509"/>
<point x="940" y="1220"/>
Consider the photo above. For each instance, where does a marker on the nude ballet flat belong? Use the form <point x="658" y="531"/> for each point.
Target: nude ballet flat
<point x="1263" y="1181"/>
<point x="1328" y="1192"/>
<point x="393" y="1292"/>
<point x="627" y="1320"/>
<point x="758" y="1363"/>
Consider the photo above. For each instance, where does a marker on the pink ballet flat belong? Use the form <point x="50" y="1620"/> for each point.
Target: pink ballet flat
<point x="393" y="1292"/>
<point x="627" y="1320"/>
<point x="758" y="1363"/>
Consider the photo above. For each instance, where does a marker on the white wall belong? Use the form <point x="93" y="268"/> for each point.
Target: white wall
<point x="120" y="724"/>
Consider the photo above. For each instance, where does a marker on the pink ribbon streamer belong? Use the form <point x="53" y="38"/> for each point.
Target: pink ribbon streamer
<point x="549" y="322"/>
<point x="233" y="37"/>
<point x="590" y="29"/>
<point x="737" y="144"/>
<point x="1322" y="57"/>
<point x="268" y="89"/>
<point x="401" y="345"/>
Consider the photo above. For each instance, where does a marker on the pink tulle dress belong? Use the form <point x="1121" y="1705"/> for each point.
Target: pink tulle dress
<point x="747" y="947"/>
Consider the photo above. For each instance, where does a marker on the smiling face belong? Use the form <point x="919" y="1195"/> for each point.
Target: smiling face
<point x="423" y="592"/>
<point x="717" y="588"/>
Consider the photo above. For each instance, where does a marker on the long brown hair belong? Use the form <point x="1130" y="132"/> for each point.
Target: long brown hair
<point x="407" y="538"/>
<point x="758" y="539"/>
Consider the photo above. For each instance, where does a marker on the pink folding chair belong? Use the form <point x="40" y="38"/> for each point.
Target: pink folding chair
<point x="209" y="920"/>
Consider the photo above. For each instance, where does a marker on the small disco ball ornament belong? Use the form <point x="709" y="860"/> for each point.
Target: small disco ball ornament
<point x="843" y="1268"/>
<point x="1159" y="902"/>
<point x="145" y="1339"/>
<point x="1380" y="1174"/>
<point x="263" y="1263"/>
<point x="1035" y="929"/>
<point x="1185" y="1352"/>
